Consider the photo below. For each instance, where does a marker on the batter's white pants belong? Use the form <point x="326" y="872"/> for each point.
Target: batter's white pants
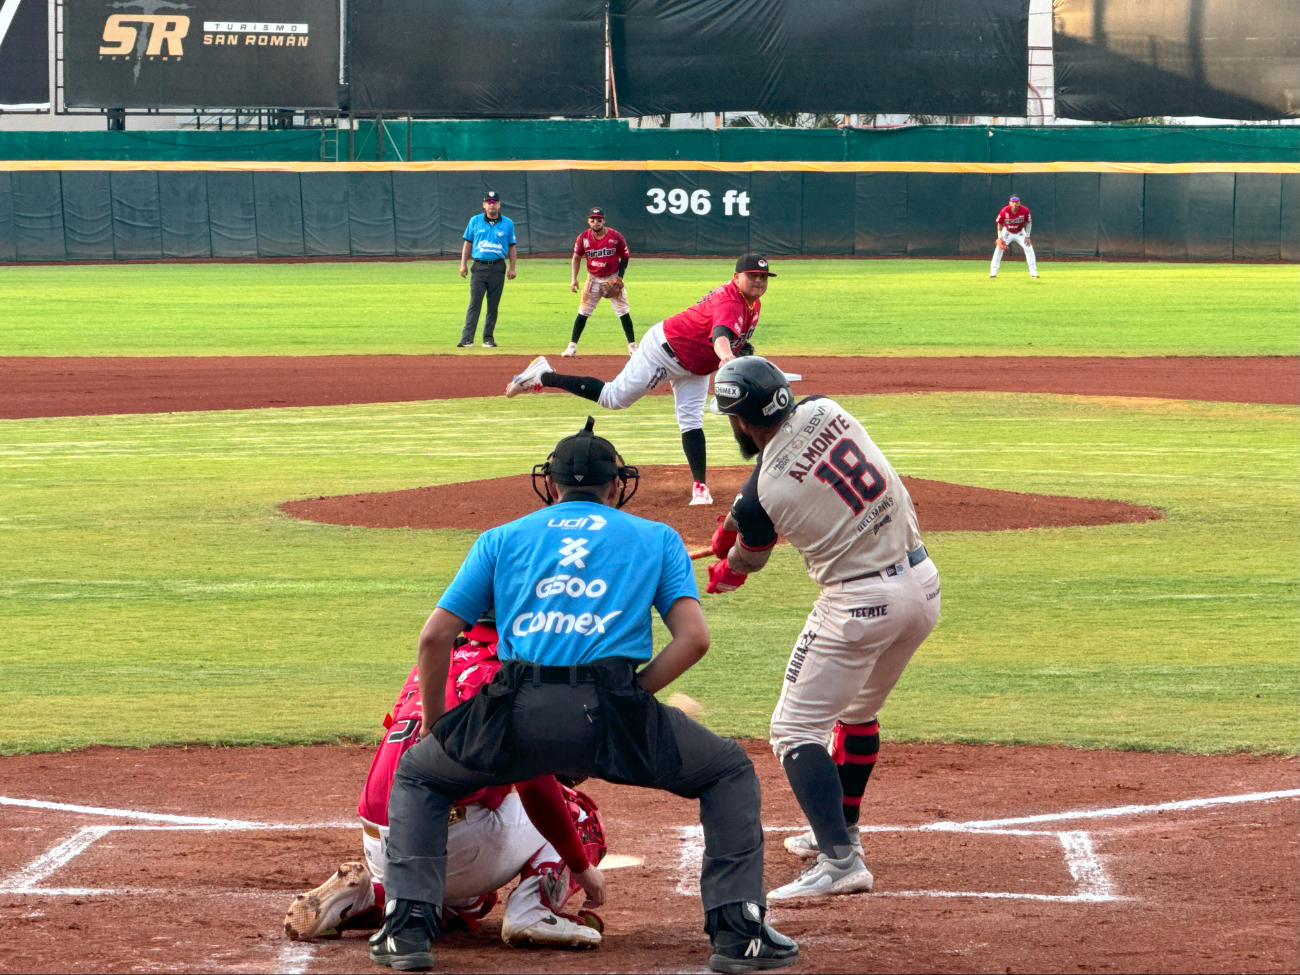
<point x="1019" y="238"/>
<point x="648" y="367"/>
<point x="854" y="646"/>
<point x="594" y="290"/>
<point x="485" y="851"/>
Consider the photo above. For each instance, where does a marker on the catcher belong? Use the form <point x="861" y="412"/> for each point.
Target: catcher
<point x="607" y="254"/>
<point x="491" y="838"/>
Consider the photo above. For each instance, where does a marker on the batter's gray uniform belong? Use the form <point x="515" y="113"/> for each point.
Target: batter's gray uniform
<point x="824" y="486"/>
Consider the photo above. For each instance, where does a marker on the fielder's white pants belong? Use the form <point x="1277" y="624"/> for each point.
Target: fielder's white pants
<point x="594" y="290"/>
<point x="856" y="642"/>
<point x="485" y="851"/>
<point x="1019" y="238"/>
<point x="648" y="367"/>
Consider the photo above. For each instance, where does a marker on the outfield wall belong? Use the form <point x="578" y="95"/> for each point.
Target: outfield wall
<point x="57" y="211"/>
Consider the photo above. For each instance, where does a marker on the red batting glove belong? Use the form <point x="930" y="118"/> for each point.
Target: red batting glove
<point x="723" y="541"/>
<point x="722" y="578"/>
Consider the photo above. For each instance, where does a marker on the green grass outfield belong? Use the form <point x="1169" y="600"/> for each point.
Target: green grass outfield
<point x="912" y="307"/>
<point x="150" y="592"/>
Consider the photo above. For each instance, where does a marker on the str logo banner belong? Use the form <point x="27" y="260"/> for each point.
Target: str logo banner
<point x="120" y="34"/>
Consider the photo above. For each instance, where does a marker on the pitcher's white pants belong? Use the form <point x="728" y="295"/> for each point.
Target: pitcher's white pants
<point x="858" y="639"/>
<point x="485" y="851"/>
<point x="1019" y="238"/>
<point x="649" y="366"/>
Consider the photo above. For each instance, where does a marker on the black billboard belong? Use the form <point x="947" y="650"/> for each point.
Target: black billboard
<point x="24" y="54"/>
<point x="897" y="56"/>
<point x="1124" y="59"/>
<point x="201" y="53"/>
<point x="470" y="59"/>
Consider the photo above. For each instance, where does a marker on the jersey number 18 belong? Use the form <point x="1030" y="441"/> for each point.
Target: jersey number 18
<point x="846" y="475"/>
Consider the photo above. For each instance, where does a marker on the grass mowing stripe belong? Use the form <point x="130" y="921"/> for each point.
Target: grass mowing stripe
<point x="913" y="307"/>
<point x="153" y="590"/>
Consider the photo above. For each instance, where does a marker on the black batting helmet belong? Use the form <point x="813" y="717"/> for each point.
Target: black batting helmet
<point x="754" y="390"/>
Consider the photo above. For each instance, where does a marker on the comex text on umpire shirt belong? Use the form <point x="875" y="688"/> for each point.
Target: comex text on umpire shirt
<point x="490" y="238"/>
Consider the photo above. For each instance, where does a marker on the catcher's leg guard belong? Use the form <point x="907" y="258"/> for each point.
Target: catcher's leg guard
<point x="471" y="912"/>
<point x="855" y="748"/>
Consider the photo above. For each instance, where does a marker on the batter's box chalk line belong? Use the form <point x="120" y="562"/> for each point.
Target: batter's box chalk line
<point x="1091" y="884"/>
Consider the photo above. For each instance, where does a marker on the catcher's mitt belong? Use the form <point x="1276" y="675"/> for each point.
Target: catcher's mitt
<point x="614" y="287"/>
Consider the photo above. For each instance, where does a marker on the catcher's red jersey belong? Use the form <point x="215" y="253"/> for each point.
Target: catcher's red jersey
<point x="471" y="668"/>
<point x="1014" y="222"/>
<point x="690" y="333"/>
<point x="602" y="253"/>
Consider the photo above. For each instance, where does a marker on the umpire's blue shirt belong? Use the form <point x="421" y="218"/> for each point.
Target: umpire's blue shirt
<point x="573" y="583"/>
<point x="490" y="241"/>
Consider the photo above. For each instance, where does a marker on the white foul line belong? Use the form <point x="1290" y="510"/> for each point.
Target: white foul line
<point x="207" y="821"/>
<point x="49" y="861"/>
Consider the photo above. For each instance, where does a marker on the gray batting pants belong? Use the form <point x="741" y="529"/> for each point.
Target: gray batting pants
<point x="552" y="732"/>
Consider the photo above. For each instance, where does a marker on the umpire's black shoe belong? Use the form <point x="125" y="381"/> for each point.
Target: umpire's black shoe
<point x="744" y="942"/>
<point x="465" y="344"/>
<point x="405" y="942"/>
<point x="489" y="344"/>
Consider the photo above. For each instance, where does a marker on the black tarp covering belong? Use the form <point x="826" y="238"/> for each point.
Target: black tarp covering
<point x="1119" y="222"/>
<point x="1121" y="59"/>
<point x="49" y="215"/>
<point x="88" y="217"/>
<point x="151" y="54"/>
<point x="183" y="205"/>
<point x="25" y="56"/>
<point x="465" y="59"/>
<point x="915" y="56"/>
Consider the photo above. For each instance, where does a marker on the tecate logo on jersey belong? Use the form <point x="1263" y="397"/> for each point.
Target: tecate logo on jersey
<point x="574" y="586"/>
<point x="592" y="523"/>
<point x="588" y="624"/>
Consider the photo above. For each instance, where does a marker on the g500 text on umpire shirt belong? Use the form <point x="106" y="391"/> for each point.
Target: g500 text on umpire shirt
<point x="573" y="583"/>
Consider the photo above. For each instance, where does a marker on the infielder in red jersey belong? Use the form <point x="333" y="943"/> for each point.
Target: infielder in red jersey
<point x="685" y="350"/>
<point x="1014" y="223"/>
<point x="538" y="830"/>
<point x="607" y="256"/>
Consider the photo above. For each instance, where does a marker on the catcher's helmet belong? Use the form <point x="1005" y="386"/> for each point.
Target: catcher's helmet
<point x="754" y="390"/>
<point x="586" y="460"/>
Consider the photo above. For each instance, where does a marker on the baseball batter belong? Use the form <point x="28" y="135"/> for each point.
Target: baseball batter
<point x="684" y="350"/>
<point x="491" y="838"/>
<point x="822" y="483"/>
<point x="1014" y="223"/>
<point x="607" y="256"/>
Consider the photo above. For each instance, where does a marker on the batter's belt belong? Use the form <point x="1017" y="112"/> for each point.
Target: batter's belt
<point x="914" y="558"/>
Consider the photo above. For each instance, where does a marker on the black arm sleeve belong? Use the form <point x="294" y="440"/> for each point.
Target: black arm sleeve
<point x="622" y="266"/>
<point x="756" y="529"/>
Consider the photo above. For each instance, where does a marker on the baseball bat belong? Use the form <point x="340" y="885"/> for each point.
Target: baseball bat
<point x="699" y="553"/>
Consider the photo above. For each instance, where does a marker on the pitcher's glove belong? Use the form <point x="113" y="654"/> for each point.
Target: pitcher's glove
<point x="614" y="287"/>
<point x="746" y="349"/>
<point x="722" y="578"/>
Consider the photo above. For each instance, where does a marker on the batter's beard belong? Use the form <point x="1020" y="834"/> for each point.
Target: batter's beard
<point x="748" y="449"/>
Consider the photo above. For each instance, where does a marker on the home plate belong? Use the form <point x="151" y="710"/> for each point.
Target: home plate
<point x="614" y="861"/>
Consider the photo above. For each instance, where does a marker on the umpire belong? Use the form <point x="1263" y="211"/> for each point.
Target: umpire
<point x="490" y="238"/>
<point x="573" y="586"/>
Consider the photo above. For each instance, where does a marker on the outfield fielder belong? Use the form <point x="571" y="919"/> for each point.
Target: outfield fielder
<point x="1014" y="223"/>
<point x="685" y="350"/>
<point x="821" y="482"/>
<point x="491" y="838"/>
<point x="607" y="255"/>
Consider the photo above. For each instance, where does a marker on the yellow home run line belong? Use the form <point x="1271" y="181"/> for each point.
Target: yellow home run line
<point x="638" y="165"/>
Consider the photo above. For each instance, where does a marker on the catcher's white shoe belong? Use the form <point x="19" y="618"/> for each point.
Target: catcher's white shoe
<point x="826" y="877"/>
<point x="631" y="348"/>
<point x="804" y="845"/>
<point x="530" y="380"/>
<point x="571" y="351"/>
<point x="554" y="931"/>
<point x="700" y="494"/>
<point x="322" y="910"/>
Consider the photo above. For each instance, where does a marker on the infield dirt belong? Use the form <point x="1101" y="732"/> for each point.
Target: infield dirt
<point x="1210" y="889"/>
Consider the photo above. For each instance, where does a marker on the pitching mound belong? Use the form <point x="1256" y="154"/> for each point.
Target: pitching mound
<point x="664" y="491"/>
<point x="164" y="859"/>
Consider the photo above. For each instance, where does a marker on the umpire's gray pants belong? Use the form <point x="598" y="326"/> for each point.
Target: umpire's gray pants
<point x="551" y="733"/>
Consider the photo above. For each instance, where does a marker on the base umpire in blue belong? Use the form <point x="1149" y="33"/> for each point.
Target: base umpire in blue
<point x="490" y="239"/>
<point x="573" y="585"/>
